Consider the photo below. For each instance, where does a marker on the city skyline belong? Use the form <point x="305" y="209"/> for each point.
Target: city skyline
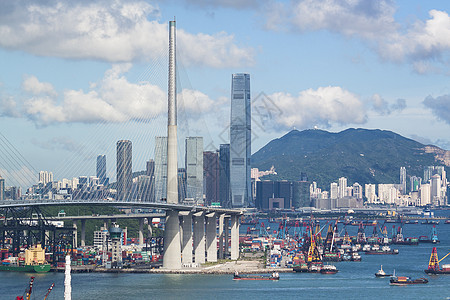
<point x="387" y="72"/>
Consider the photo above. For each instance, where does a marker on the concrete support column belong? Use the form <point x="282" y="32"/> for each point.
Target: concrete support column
<point x="221" y="235"/>
<point x="199" y="237"/>
<point x="211" y="238"/>
<point x="141" y="232"/>
<point x="186" y="244"/>
<point x="172" y="245"/>
<point x="227" y="234"/>
<point x="75" y="236"/>
<point x="234" y="237"/>
<point x="83" y="233"/>
<point x="149" y="227"/>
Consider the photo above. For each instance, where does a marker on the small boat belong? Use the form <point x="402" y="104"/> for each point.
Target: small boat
<point x="381" y="273"/>
<point x="405" y="280"/>
<point x="329" y="269"/>
<point x="384" y="250"/>
<point x="274" y="276"/>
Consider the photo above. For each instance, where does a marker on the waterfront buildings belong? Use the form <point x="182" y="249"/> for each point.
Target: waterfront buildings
<point x="240" y="140"/>
<point x="124" y="170"/>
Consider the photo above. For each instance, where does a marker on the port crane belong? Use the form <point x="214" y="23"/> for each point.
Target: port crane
<point x="434" y="261"/>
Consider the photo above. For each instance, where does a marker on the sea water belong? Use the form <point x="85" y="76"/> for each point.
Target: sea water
<point x="355" y="280"/>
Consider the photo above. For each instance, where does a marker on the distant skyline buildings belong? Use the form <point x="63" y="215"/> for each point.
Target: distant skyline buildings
<point x="224" y="176"/>
<point x="211" y="177"/>
<point x="403" y="180"/>
<point x="124" y="170"/>
<point x="240" y="141"/>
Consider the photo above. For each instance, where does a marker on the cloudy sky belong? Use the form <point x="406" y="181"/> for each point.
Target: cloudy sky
<point x="76" y="76"/>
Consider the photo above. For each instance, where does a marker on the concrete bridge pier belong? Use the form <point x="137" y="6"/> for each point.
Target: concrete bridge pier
<point x="83" y="233"/>
<point x="186" y="244"/>
<point x="226" y="235"/>
<point x="221" y="235"/>
<point x="199" y="237"/>
<point x="211" y="238"/>
<point x="234" y="237"/>
<point x="141" y="232"/>
<point x="172" y="242"/>
<point x="75" y="236"/>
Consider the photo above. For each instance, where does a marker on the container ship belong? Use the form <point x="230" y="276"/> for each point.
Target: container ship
<point x="33" y="261"/>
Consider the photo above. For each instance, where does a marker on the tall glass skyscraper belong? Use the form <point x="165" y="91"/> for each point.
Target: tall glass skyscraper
<point x="160" y="168"/>
<point x="194" y="168"/>
<point x="124" y="170"/>
<point x="240" y="140"/>
<point x="101" y="169"/>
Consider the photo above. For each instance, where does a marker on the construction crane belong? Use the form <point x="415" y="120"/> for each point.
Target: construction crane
<point x="433" y="264"/>
<point x="48" y="291"/>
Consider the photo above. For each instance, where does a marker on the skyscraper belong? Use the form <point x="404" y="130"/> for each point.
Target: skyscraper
<point x="240" y="140"/>
<point x="160" y="168"/>
<point x="403" y="180"/>
<point x="124" y="170"/>
<point x="224" y="175"/>
<point x="211" y="176"/>
<point x="2" y="188"/>
<point x="101" y="169"/>
<point x="194" y="168"/>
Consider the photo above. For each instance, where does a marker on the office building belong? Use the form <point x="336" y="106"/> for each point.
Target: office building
<point x="124" y="170"/>
<point x="194" y="168"/>
<point x="240" y="140"/>
<point x="224" y="175"/>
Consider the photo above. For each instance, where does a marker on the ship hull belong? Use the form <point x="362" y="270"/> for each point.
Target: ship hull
<point x="434" y="272"/>
<point x="26" y="268"/>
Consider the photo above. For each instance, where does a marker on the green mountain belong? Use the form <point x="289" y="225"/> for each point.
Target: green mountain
<point x="361" y="155"/>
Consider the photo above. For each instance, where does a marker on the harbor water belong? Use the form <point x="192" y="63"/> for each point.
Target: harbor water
<point x="355" y="280"/>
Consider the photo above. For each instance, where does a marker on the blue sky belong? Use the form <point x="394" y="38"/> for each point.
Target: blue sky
<point x="76" y="77"/>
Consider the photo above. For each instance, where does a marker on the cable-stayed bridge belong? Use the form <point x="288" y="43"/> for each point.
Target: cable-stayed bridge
<point x="190" y="230"/>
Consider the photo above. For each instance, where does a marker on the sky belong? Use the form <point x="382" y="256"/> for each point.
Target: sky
<point x="77" y="76"/>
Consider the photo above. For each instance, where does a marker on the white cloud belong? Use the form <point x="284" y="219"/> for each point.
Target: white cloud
<point x="118" y="31"/>
<point x="439" y="106"/>
<point x="424" y="44"/>
<point x="323" y="106"/>
<point x="32" y="85"/>
<point x="112" y="99"/>
<point x="349" y="17"/>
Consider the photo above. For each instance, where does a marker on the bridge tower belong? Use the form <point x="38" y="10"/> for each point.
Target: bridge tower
<point x="172" y="242"/>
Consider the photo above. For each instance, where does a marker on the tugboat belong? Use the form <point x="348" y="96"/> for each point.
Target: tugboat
<point x="329" y="269"/>
<point x="381" y="273"/>
<point x="274" y="276"/>
<point x="405" y="280"/>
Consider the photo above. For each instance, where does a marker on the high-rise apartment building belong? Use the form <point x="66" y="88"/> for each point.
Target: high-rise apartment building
<point x="333" y="190"/>
<point x="342" y="188"/>
<point x="101" y="169"/>
<point x="124" y="170"/>
<point x="370" y="193"/>
<point x="240" y="140"/>
<point x="160" y="168"/>
<point x="224" y="175"/>
<point x="194" y="168"/>
<point x="45" y="177"/>
<point x="403" y="180"/>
